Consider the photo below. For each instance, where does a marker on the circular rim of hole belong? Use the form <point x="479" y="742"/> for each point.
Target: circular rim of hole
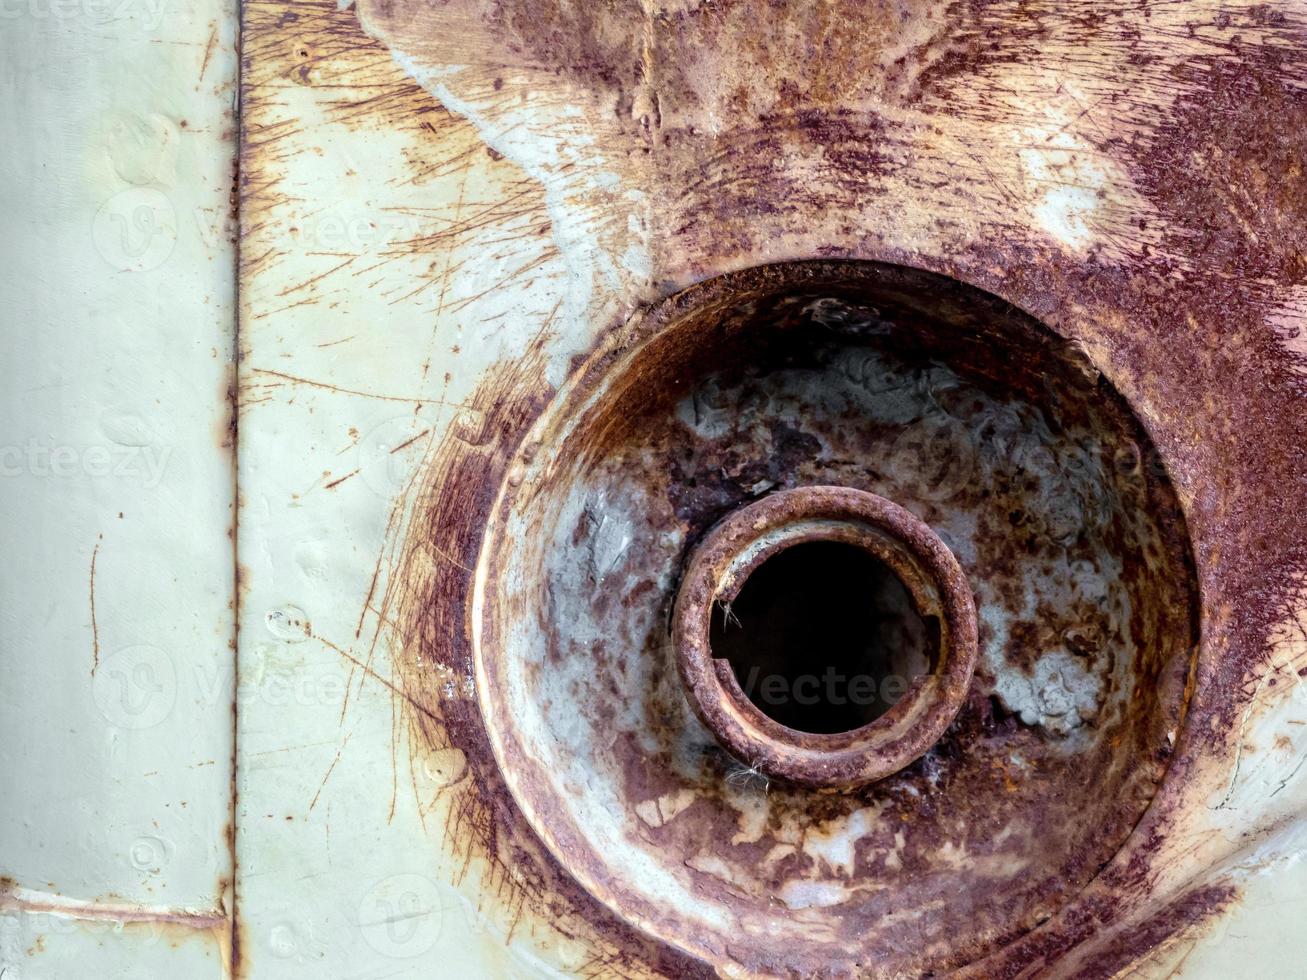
<point x="740" y="544"/>
<point x="801" y="580"/>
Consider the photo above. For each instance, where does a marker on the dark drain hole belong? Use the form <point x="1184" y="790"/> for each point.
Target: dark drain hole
<point x="824" y="637"/>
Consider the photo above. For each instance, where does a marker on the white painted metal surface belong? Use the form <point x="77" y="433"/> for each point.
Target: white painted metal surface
<point x="116" y="628"/>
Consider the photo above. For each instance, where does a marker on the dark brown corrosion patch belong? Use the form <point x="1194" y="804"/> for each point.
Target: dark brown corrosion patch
<point x="744" y="542"/>
<point x="1007" y="455"/>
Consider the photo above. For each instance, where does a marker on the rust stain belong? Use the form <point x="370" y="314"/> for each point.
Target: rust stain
<point x="16" y="899"/>
<point x="339" y="480"/>
<point x="780" y="377"/>
<point x="945" y="137"/>
<point x="427" y="596"/>
<point x="208" y="52"/>
<point x="408" y="442"/>
<point x="95" y="627"/>
<point x="937" y="587"/>
<point x="294" y="380"/>
<point x="330" y="769"/>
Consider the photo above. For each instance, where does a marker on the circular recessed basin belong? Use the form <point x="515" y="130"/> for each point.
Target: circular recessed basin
<point x="1004" y="538"/>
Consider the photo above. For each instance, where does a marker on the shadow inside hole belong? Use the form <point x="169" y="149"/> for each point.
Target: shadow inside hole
<point x="823" y="637"/>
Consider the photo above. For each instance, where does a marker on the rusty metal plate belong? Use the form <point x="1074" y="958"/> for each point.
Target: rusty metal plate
<point x="611" y="271"/>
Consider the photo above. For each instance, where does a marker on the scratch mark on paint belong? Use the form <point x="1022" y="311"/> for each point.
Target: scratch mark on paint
<point x="337" y="482"/>
<point x="208" y="52"/>
<point x="95" y="628"/>
<point x="294" y="379"/>
<point x="409" y="442"/>
<point x="370" y="672"/>
<point x="330" y="769"/>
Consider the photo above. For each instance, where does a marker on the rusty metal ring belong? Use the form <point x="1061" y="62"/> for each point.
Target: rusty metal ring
<point x="745" y="539"/>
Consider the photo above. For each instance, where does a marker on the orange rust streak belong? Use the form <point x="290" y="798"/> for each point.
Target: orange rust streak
<point x="337" y="482"/>
<point x="405" y="445"/>
<point x="330" y="769"/>
<point x="12" y="900"/>
<point x="344" y="391"/>
<point x="376" y="677"/>
<point x="95" y="628"/>
<point x="208" y="52"/>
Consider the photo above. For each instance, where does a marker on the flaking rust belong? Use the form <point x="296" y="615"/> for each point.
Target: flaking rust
<point x="937" y="590"/>
<point x="920" y="391"/>
<point x="1129" y="176"/>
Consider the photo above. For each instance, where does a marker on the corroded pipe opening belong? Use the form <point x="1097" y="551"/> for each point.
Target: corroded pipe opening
<point x="824" y="637"/>
<point x="940" y="598"/>
<point x="890" y="384"/>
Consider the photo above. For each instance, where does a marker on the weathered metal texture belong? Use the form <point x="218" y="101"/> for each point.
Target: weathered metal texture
<point x="117" y="322"/>
<point x="897" y="383"/>
<point x="938" y="590"/>
<point x="1129" y="176"/>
